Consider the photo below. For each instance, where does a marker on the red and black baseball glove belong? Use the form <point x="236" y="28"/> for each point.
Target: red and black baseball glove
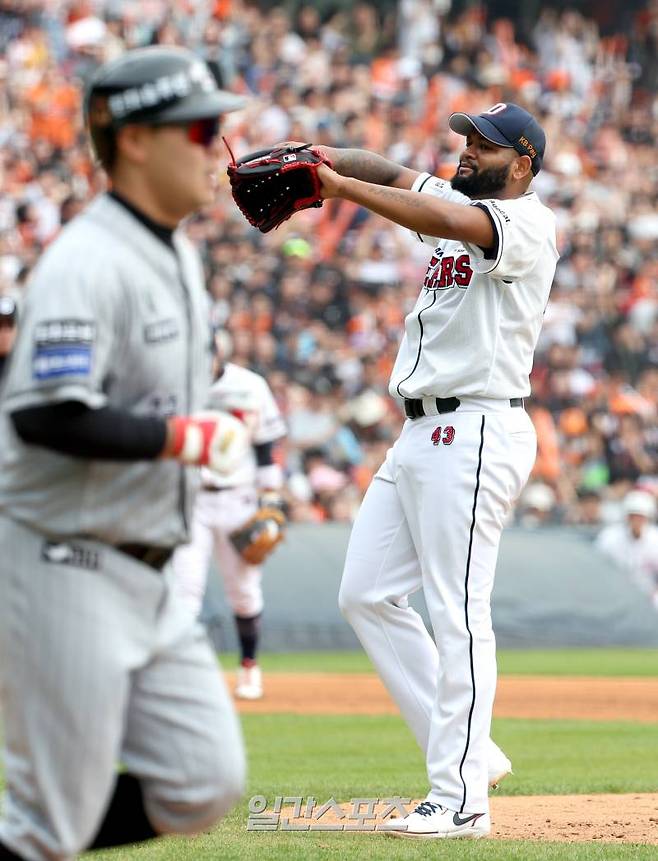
<point x="271" y="185"/>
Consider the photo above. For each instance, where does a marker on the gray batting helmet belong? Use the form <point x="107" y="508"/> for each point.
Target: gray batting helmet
<point x="151" y="86"/>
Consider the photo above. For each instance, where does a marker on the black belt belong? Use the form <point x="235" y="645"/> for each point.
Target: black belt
<point x="154" y="557"/>
<point x="414" y="409"/>
<point x="212" y="488"/>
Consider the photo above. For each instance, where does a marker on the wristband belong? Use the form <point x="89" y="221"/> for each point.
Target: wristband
<point x="192" y="438"/>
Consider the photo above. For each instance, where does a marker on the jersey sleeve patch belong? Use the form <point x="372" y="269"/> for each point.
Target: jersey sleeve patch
<point x="161" y="330"/>
<point x="63" y="348"/>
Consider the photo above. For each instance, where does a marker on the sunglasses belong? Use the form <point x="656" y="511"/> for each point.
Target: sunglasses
<point x="203" y="131"/>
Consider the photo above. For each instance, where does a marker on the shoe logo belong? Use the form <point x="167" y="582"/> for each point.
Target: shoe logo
<point x="458" y="820"/>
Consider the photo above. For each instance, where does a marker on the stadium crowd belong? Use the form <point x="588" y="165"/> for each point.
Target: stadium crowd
<point x="318" y="305"/>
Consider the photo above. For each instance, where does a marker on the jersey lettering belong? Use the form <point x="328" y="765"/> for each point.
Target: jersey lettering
<point x="70" y="331"/>
<point x="430" y="275"/>
<point x="463" y="271"/>
<point x="445" y="272"/>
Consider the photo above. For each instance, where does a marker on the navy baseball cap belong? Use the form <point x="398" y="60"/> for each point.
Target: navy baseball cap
<point x="506" y="124"/>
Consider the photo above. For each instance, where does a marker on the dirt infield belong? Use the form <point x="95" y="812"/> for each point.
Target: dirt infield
<point x="554" y="818"/>
<point x="634" y="699"/>
<point x="629" y="818"/>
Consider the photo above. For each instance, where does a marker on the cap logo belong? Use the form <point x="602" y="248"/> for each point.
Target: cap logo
<point x="525" y="143"/>
<point x="496" y="109"/>
<point x="163" y="89"/>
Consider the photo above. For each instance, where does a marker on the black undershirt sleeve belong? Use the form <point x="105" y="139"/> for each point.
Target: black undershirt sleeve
<point x="104" y="434"/>
<point x="264" y="454"/>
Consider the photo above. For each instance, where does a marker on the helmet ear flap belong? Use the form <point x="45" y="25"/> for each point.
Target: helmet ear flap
<point x="101" y="130"/>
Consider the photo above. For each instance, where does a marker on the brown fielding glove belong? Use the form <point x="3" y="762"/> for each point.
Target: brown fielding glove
<point x="258" y="537"/>
<point x="271" y="185"/>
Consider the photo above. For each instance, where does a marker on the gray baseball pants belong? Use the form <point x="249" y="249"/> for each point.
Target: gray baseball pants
<point x="99" y="665"/>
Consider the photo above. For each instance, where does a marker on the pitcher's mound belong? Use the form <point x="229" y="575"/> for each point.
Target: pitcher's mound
<point x="554" y="818"/>
<point x="607" y="818"/>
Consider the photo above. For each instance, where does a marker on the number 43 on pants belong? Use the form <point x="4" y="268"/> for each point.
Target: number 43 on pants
<point x="443" y="435"/>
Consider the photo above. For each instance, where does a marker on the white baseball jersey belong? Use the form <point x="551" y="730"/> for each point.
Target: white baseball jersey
<point x="476" y="323"/>
<point x="216" y="514"/>
<point x="246" y="395"/>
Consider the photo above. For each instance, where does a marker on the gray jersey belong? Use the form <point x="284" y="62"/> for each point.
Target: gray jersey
<point x="112" y="317"/>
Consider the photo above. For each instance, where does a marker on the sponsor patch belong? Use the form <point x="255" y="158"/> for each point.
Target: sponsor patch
<point x="52" y="362"/>
<point x="162" y="330"/>
<point x="63" y="348"/>
<point x="525" y="143"/>
<point x="69" y="553"/>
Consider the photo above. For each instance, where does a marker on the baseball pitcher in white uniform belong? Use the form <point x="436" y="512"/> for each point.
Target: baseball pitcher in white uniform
<point x="433" y="515"/>
<point x="225" y="504"/>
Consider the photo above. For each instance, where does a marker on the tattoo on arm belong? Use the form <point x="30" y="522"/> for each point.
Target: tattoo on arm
<point x="413" y="202"/>
<point x="364" y="165"/>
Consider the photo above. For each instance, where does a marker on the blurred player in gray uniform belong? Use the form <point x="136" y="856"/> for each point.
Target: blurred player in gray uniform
<point x="227" y="502"/>
<point x="99" y="665"/>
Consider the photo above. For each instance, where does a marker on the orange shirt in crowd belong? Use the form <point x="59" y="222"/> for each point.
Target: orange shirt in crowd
<point x="54" y="112"/>
<point x="547" y="464"/>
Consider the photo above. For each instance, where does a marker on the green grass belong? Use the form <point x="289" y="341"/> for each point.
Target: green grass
<point x="348" y="756"/>
<point x="557" y="662"/>
<point x="232" y="843"/>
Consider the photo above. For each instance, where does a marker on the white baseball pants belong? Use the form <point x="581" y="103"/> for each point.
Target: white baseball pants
<point x="216" y="515"/>
<point x="101" y="664"/>
<point x="432" y="519"/>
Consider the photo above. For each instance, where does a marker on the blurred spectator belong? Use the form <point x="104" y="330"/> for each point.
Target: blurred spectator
<point x="8" y="323"/>
<point x="537" y="506"/>
<point x="587" y="508"/>
<point x="317" y="305"/>
<point x="633" y="544"/>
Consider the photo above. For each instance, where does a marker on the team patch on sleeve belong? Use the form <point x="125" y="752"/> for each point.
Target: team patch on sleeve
<point x="63" y="348"/>
<point x="161" y="330"/>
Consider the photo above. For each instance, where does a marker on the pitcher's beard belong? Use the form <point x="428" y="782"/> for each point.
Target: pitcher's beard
<point x="481" y="183"/>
